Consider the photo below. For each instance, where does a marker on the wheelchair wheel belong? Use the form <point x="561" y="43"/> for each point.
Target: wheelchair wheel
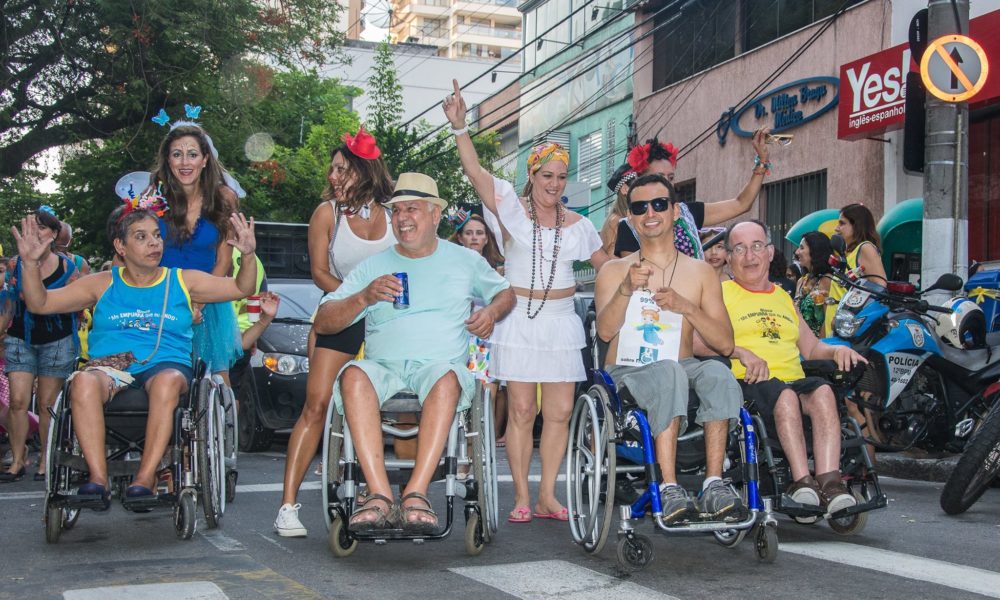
<point x="853" y="524"/>
<point x="341" y="544"/>
<point x="484" y="465"/>
<point x="211" y="453"/>
<point x="53" y="524"/>
<point x="475" y="538"/>
<point x="730" y="538"/>
<point x="634" y="552"/>
<point x="231" y="423"/>
<point x="590" y="470"/>
<point x="333" y="445"/>
<point x="231" y="478"/>
<point x="766" y="543"/>
<point x="57" y="478"/>
<point x="184" y="517"/>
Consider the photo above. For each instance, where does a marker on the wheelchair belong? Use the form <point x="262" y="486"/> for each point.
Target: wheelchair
<point x="856" y="463"/>
<point x="342" y="475"/>
<point x="201" y="456"/>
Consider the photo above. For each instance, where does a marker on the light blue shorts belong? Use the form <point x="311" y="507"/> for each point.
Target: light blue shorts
<point x="390" y="377"/>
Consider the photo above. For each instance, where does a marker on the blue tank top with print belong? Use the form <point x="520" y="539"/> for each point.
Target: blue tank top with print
<point x="198" y="252"/>
<point x="127" y="317"/>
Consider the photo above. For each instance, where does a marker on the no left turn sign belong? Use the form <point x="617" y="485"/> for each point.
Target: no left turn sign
<point x="954" y="68"/>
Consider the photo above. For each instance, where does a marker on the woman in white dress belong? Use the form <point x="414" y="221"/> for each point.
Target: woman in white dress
<point x="540" y="341"/>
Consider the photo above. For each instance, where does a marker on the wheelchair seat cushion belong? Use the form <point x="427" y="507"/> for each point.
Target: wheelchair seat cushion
<point x="390" y="377"/>
<point x="761" y="397"/>
<point x="128" y="400"/>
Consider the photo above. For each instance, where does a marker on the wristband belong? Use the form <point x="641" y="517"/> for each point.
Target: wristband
<point x="761" y="167"/>
<point x="629" y="295"/>
<point x="458" y="131"/>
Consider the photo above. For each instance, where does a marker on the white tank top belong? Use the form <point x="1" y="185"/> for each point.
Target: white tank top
<point x="347" y="250"/>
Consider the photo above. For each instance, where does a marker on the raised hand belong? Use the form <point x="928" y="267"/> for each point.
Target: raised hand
<point x="759" y="141"/>
<point x="33" y="241"/>
<point x="242" y="233"/>
<point x="382" y="289"/>
<point x="454" y="107"/>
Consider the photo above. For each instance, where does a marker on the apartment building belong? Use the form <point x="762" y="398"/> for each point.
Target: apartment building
<point x="483" y="29"/>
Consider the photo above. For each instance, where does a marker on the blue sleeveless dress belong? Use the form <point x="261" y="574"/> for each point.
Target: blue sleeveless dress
<point x="217" y="338"/>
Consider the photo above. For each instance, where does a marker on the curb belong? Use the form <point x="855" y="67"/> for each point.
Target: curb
<point x="903" y="466"/>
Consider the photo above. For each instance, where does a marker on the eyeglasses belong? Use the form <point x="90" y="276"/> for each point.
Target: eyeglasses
<point x="659" y="205"/>
<point x="781" y="139"/>
<point x="756" y="248"/>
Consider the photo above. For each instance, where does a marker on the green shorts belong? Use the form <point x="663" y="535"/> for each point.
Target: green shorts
<point x="390" y="377"/>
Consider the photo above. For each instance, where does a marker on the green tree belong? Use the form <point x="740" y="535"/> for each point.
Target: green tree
<point x="78" y="70"/>
<point x="283" y="181"/>
<point x="386" y="106"/>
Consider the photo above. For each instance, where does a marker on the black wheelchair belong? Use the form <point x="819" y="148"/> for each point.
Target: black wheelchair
<point x="856" y="463"/>
<point x="472" y="428"/>
<point x="201" y="457"/>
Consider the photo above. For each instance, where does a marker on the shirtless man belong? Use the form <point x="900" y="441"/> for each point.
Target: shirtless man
<point x="662" y="278"/>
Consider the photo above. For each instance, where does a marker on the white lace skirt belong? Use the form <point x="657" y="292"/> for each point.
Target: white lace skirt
<point x="546" y="349"/>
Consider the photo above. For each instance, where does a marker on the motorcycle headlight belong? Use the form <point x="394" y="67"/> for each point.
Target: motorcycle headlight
<point x="845" y="325"/>
<point x="286" y="364"/>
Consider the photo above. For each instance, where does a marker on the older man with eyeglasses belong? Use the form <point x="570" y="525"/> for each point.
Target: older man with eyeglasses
<point x="771" y="340"/>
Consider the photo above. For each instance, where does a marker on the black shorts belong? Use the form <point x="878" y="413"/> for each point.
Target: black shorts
<point x="761" y="397"/>
<point x="347" y="341"/>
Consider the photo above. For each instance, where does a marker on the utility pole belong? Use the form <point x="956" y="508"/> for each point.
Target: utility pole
<point x="945" y="240"/>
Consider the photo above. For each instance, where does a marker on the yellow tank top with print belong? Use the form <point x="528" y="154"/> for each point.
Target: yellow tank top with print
<point x="838" y="291"/>
<point x="766" y="324"/>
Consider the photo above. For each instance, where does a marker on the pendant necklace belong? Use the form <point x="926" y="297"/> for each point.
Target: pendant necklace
<point x="663" y="270"/>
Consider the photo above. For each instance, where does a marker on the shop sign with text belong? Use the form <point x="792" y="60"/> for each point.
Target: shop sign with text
<point x="781" y="108"/>
<point x="874" y="93"/>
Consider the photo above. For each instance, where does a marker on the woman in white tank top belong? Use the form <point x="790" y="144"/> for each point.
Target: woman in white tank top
<point x="347" y="227"/>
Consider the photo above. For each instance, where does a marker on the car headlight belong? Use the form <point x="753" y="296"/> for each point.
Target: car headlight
<point x="286" y="364"/>
<point x="845" y="325"/>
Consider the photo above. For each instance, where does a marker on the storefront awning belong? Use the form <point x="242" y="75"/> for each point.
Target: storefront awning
<point x="824" y="221"/>
<point x="907" y="211"/>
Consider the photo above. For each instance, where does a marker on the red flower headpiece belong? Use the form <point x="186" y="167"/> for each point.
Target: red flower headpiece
<point x="362" y="145"/>
<point x="638" y="157"/>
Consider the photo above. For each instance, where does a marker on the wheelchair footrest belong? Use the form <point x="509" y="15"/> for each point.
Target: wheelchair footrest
<point x="879" y="501"/>
<point x="145" y="503"/>
<point x="76" y="501"/>
<point x="396" y="535"/>
<point x="787" y="506"/>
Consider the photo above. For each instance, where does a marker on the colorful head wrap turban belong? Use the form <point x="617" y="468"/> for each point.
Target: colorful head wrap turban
<point x="544" y="153"/>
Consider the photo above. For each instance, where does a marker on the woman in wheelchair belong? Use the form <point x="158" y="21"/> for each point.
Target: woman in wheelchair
<point x="142" y="329"/>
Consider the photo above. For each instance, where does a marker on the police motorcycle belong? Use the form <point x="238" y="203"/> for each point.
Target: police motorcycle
<point x="929" y="368"/>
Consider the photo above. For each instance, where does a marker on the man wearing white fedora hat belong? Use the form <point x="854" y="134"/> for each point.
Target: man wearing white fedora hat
<point x="423" y="348"/>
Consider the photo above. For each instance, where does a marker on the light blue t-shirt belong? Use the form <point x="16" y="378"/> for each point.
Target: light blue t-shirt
<point x="442" y="288"/>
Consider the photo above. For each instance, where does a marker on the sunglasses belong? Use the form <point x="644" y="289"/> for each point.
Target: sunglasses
<point x="781" y="139"/>
<point x="640" y="207"/>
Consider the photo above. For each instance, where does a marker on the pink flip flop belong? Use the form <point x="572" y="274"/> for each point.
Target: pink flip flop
<point x="562" y="515"/>
<point x="520" y="514"/>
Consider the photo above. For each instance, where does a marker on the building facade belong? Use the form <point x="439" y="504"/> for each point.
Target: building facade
<point x="710" y="74"/>
<point x="577" y="90"/>
<point x="482" y="29"/>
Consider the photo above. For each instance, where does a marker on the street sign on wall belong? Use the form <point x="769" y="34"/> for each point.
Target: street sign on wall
<point x="954" y="68"/>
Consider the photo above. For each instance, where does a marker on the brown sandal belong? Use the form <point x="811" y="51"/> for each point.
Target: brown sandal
<point x="417" y="526"/>
<point x="383" y="513"/>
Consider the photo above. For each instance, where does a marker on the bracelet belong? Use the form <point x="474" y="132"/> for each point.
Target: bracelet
<point x="458" y="131"/>
<point x="761" y="167"/>
<point x="620" y="292"/>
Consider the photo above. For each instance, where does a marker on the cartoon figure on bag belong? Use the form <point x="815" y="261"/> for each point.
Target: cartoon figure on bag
<point x="650" y="326"/>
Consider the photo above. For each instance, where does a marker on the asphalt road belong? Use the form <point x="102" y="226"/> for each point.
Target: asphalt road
<point x="909" y="550"/>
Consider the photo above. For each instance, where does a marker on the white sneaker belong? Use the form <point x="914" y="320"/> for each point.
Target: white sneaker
<point x="287" y="524"/>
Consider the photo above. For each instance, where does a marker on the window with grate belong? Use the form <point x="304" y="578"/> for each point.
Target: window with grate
<point x="789" y="200"/>
<point x="589" y="158"/>
<point x="686" y="190"/>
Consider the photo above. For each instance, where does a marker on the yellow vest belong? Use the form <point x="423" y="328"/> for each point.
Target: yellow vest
<point x="838" y="291"/>
<point x="766" y="324"/>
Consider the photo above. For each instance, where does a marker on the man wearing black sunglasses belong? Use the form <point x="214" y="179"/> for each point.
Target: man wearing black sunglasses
<point x="687" y="287"/>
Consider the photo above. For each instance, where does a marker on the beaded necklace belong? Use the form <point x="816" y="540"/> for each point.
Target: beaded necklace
<point x="538" y="257"/>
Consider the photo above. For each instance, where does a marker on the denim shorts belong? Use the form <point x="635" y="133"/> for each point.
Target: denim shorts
<point x="55" y="359"/>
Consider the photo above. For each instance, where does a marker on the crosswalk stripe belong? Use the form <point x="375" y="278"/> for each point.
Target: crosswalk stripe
<point x="187" y="590"/>
<point x="959" y="577"/>
<point x="543" y="580"/>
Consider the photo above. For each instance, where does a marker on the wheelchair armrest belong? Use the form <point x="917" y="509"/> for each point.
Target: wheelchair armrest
<point x="721" y="359"/>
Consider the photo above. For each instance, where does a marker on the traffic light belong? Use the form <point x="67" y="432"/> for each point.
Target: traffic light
<point x="913" y="126"/>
